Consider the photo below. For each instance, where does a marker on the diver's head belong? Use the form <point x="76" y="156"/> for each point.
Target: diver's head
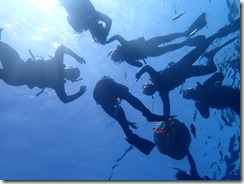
<point x="148" y="89"/>
<point x="72" y="74"/>
<point x="115" y="55"/>
<point x="190" y="93"/>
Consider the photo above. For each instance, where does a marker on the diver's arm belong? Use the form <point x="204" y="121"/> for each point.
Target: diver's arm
<point x="61" y="50"/>
<point x="121" y="40"/>
<point x="166" y="103"/>
<point x="106" y="19"/>
<point x="65" y="98"/>
<point x="150" y="70"/>
<point x="134" y="63"/>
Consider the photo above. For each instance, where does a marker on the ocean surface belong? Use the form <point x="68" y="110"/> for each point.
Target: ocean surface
<point x="42" y="138"/>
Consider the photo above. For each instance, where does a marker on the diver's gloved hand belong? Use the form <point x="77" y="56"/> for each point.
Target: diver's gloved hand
<point x="133" y="125"/>
<point x="83" y="89"/>
<point x="138" y="76"/>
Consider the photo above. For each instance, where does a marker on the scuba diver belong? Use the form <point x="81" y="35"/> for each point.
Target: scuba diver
<point x="212" y="94"/>
<point x="109" y="94"/>
<point x="40" y="73"/>
<point x="172" y="138"/>
<point x="82" y="16"/>
<point x="139" y="49"/>
<point x="166" y="80"/>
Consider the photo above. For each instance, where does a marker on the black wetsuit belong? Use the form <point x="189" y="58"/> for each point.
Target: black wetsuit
<point x="109" y="93"/>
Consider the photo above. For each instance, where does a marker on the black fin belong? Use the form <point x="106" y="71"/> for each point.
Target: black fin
<point x="144" y="145"/>
<point x="197" y="25"/>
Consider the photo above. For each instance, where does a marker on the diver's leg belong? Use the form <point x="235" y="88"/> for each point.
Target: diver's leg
<point x="157" y="51"/>
<point x="197" y="52"/>
<point x="232" y="27"/>
<point x="156" y="41"/>
<point x="119" y="115"/>
<point x="137" y="104"/>
<point x="197" y="25"/>
<point x="201" y="70"/>
<point x="192" y="56"/>
<point x="211" y="67"/>
<point x="210" y="55"/>
<point x="121" y="118"/>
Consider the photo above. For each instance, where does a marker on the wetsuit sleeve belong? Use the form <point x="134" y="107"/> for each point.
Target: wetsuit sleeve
<point x="153" y="73"/>
<point x="59" y="54"/>
<point x="121" y="40"/>
<point x="166" y="104"/>
<point x="107" y="20"/>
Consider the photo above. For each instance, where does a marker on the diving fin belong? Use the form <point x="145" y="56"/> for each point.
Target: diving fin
<point x="143" y="145"/>
<point x="197" y="25"/>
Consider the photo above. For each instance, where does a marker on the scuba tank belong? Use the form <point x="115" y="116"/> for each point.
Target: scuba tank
<point x="172" y="138"/>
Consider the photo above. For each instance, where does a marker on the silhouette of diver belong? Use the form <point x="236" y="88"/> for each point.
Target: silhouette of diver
<point x="109" y="94"/>
<point x="166" y="80"/>
<point x="212" y="94"/>
<point x="193" y="174"/>
<point x="40" y="73"/>
<point x="135" y="50"/>
<point x="172" y="138"/>
<point x="82" y="16"/>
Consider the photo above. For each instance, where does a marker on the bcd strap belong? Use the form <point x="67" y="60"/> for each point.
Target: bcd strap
<point x="40" y="91"/>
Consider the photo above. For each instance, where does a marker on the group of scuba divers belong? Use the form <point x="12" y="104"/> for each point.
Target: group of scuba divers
<point x="171" y="136"/>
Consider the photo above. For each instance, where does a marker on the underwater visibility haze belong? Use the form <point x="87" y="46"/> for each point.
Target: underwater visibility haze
<point x="43" y="138"/>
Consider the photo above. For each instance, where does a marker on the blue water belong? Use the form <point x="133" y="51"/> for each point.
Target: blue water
<point x="42" y="138"/>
